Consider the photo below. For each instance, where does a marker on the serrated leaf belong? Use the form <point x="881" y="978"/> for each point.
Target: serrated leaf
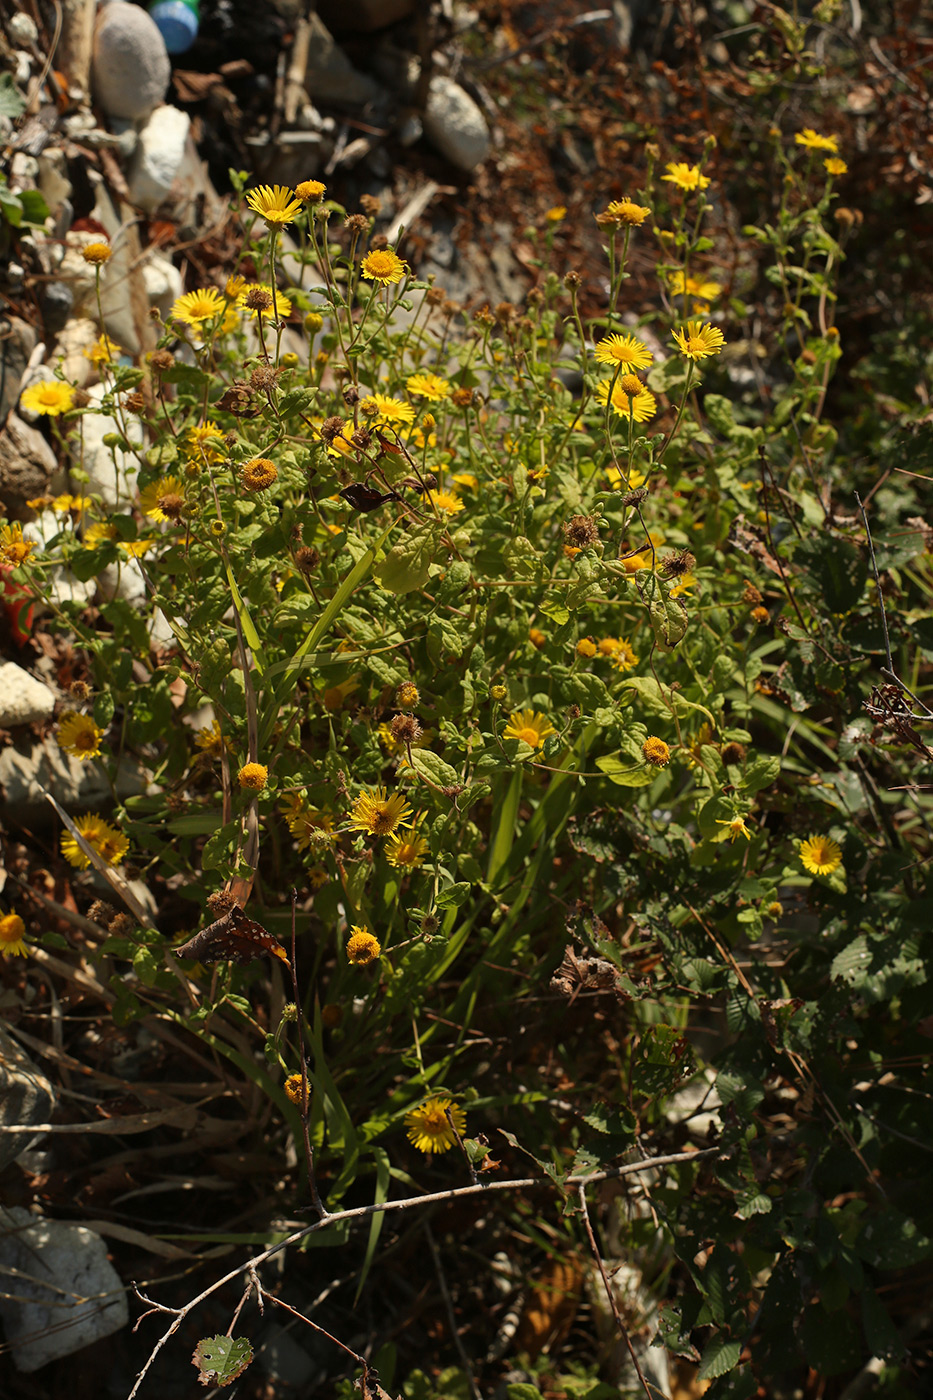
<point x="407" y="565"/>
<point x="430" y="766"/>
<point x="453" y="895"/>
<point x="718" y="1358"/>
<point x="221" y="1359"/>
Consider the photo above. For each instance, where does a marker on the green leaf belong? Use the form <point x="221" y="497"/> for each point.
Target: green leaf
<point x="219" y="848"/>
<point x="623" y="774"/>
<point x="221" y="1359"/>
<point x="523" y="1392"/>
<point x="11" y="103"/>
<point x="429" y="765"/>
<point x="719" y="1357"/>
<point x="668" y="615"/>
<point x="407" y="565"/>
<point x="35" y="209"/>
<point x="453" y="895"/>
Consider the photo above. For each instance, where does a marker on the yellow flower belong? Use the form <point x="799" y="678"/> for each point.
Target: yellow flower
<point x="585" y="648"/>
<point x="407" y="695"/>
<point x="608" y="646"/>
<point x="465" y="479"/>
<point x="312" y="828"/>
<point x="683" y="585"/>
<point x="50" y="397"/>
<point x="429" y="1128"/>
<point x="628" y="211"/>
<point x="103" y="351"/>
<point x="536" y="637"/>
<point x="259" y="474"/>
<point x="234" y="286"/>
<point x="14" y="550"/>
<point x="378" y="814"/>
<point x="633" y="562"/>
<point x="530" y="726"/>
<point x="428" y="386"/>
<point x="656" y="752"/>
<point x="280" y="302"/>
<point x="135" y="549"/>
<point x="65" y="503"/>
<point x="203" y="443"/>
<point x="632" y="483"/>
<point x="694" y="751"/>
<point x="684" y="176"/>
<point x="97" y="533"/>
<point x="194" y="307"/>
<point x="821" y="855"/>
<point x="693" y="286"/>
<point x="109" y="842"/>
<point x="163" y="500"/>
<point x="697" y="341"/>
<point x="735" y="828"/>
<point x="79" y="735"/>
<point x="362" y="947"/>
<point x="555" y="215"/>
<point x="641" y="406"/>
<point x="311" y="191"/>
<point x="447" y="502"/>
<point x="834" y="166"/>
<point x="274" y="203"/>
<point x="210" y="740"/>
<point x="384" y="266"/>
<point x="253" y="776"/>
<point x="813" y="141"/>
<point x="623" y="657"/>
<point x="96" y="253"/>
<point x="292" y="1087"/>
<point x="388" y="410"/>
<point x="625" y="351"/>
<point x="12" y="940"/>
<point x="406" y="852"/>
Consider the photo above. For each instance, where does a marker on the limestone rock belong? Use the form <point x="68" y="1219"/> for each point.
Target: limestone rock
<point x="454" y="124"/>
<point x="158" y="158"/>
<point x="67" y="1293"/>
<point x="163" y="284"/>
<point x="27" y="464"/>
<point x="17" y="342"/>
<point x="331" y="77"/>
<point x="29" y="770"/>
<point x="130" y="68"/>
<point x="111" y="471"/>
<point x="78" y="335"/>
<point x="23" y="699"/>
<point x="26" y="1097"/>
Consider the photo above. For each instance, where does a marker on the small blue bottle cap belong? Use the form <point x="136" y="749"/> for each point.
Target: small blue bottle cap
<point x="177" y="22"/>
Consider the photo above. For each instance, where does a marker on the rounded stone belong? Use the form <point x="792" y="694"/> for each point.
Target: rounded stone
<point x="130" y="67"/>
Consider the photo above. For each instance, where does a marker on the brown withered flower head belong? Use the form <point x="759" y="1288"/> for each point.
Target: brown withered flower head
<point x="371" y="204"/>
<point x="162" y="360"/>
<point x="435" y="296"/>
<point x="633" y="498"/>
<point x="572" y="280"/>
<point x="258" y="299"/>
<point x="121" y="925"/>
<point x="751" y="595"/>
<point x="263" y="378"/>
<point x="80" y="690"/>
<point x="378" y="241"/>
<point x="733" y="752"/>
<point x="362" y="438"/>
<point x="331" y="427"/>
<point x="135" y="402"/>
<point x="220" y="903"/>
<point x="356" y="223"/>
<point x="405" y="729"/>
<point x="677" y="564"/>
<point x="451" y="308"/>
<point x="581" y="531"/>
<point x="307" y="558"/>
<point x="351" y="395"/>
<point x="462" y="398"/>
<point x="101" y="912"/>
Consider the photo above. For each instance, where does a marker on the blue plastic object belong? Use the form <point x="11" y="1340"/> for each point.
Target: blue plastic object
<point x="177" y="22"/>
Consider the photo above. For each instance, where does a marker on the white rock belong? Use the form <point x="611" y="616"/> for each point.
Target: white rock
<point x="29" y="770"/>
<point x="124" y="580"/>
<point x="163" y="284"/>
<point x="67" y="1292"/>
<point x="455" y="125"/>
<point x="27" y="463"/>
<point x="111" y="471"/>
<point x="76" y="336"/>
<point x="22" y="29"/>
<point x="158" y="158"/>
<point x="23" y="699"/>
<point x="130" y="68"/>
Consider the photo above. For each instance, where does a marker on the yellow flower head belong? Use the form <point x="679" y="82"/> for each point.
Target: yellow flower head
<point x="12" y="939"/>
<point x="14" y="550"/>
<point x="623" y="657"/>
<point x="640" y="405"/>
<point x="163" y="500"/>
<point x="98" y="533"/>
<point x="384" y="266"/>
<point x="626" y="352"/>
<point x="103" y="352"/>
<point x="429" y="1128"/>
<point x="530" y="726"/>
<point x="812" y="141"/>
<point x="406" y="852"/>
<point x="447" y="502"/>
<point x="135" y="549"/>
<point x="697" y="341"/>
<point x="536" y="637"/>
<point x="378" y="814"/>
<point x="206" y="304"/>
<point x="693" y="286"/>
<point x="684" y="176"/>
<point x="557" y="214"/>
<point x="253" y="776"/>
<point x="279" y="304"/>
<point x="79" y="735"/>
<point x="734" y="829"/>
<point x="834" y="166"/>
<point x="234" y="286"/>
<point x="466" y="480"/>
<point x="97" y="253"/>
<point x="585" y="648"/>
<point x="292" y="1087"/>
<point x="274" y="203"/>
<point x="210" y="740"/>
<point x="204" y="443"/>
<point x="407" y="695"/>
<point x="108" y="842"/>
<point x="428" y="386"/>
<point x="50" y="397"/>
<point x="608" y="646"/>
<point x="311" y="191"/>
<point x="384" y="409"/>
<point x="656" y="752"/>
<point x="259" y="474"/>
<point x="628" y="212"/>
<point x="312" y="829"/>
<point x="362" y="947"/>
<point x="821" y="855"/>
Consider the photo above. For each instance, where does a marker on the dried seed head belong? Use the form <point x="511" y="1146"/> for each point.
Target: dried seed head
<point x="405" y="729"/>
<point x="733" y="752"/>
<point x="677" y="564"/>
<point x="484" y="317"/>
<point x="121" y="925"/>
<point x="572" y="280"/>
<point x="220" y="903"/>
<point x="462" y="398"/>
<point x="80" y="690"/>
<point x="633" y="498"/>
<point x="371" y="204"/>
<point x="172" y="506"/>
<point x="356" y="223"/>
<point x="451" y="308"/>
<point x="101" y="912"/>
<point x="378" y="241"/>
<point x="135" y="402"/>
<point x="331" y="428"/>
<point x="751" y="594"/>
<point x="351" y="395"/>
<point x="435" y="296"/>
<point x="307" y="558"/>
<point x="505" y="312"/>
<point x="162" y="360"/>
<point x="581" y="531"/>
<point x="362" y="439"/>
<point x="263" y="378"/>
<point x="258" y="299"/>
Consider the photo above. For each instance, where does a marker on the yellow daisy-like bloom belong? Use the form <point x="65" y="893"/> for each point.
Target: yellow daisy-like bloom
<point x="378" y="814"/>
<point x="259" y="474"/>
<point x="292" y="1087"/>
<point x="530" y="726"/>
<point x="234" y="286"/>
<point x="163" y="500"/>
<point x="388" y="410"/>
<point x="656" y="752"/>
<point x="683" y="585"/>
<point x="821" y="855"/>
<point x="384" y="266"/>
<point x="428" y="1127"/>
<point x="555" y="215"/>
<point x="735" y="828"/>
<point x="697" y="341"/>
<point x="253" y="776"/>
<point x="97" y="253"/>
<point x="204" y="443"/>
<point x="206" y="304"/>
<point x="834" y="166"/>
<point x="50" y="397"/>
<point x="14" y="550"/>
<point x="406" y="852"/>
<point x="274" y="203"/>
<point x="311" y="191"/>
<point x="103" y="352"/>
<point x="79" y="735"/>
<point x="812" y="141"/>
<point x="684" y="176"/>
<point x="362" y="947"/>
<point x="281" y="303"/>
<point x="465" y="479"/>
<point x="98" y="533"/>
<point x="407" y="695"/>
<point x="536" y="637"/>
<point x="135" y="549"/>
<point x="109" y="842"/>
<point x="317" y="877"/>
<point x="65" y="503"/>
<point x="312" y="828"/>
<point x="633" y="562"/>
<point x="210" y="740"/>
<point x="641" y="406"/>
<point x="12" y="939"/>
<point x="623" y="657"/>
<point x="608" y="646"/>
<point x="628" y="212"/>
<point x="693" y="286"/>
<point x="625" y="351"/>
<point x="619" y="481"/>
<point x="428" y="386"/>
<point x="447" y="502"/>
<point x="585" y="648"/>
